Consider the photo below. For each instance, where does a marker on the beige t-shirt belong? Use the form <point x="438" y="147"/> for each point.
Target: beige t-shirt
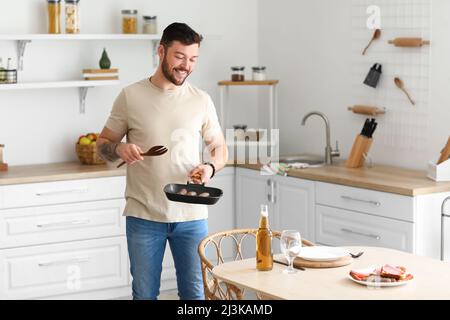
<point x="177" y="119"/>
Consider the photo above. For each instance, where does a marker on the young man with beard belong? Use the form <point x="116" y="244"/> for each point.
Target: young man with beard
<point x="165" y="110"/>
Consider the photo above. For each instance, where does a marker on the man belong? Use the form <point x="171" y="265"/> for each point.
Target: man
<point x="165" y="110"/>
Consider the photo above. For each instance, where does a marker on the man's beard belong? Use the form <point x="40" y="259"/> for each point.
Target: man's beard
<point x="169" y="76"/>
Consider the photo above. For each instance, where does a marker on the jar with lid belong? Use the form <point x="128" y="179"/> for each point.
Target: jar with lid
<point x="150" y="25"/>
<point x="72" y="16"/>
<point x="259" y="73"/>
<point x="237" y="74"/>
<point x="129" y="21"/>
<point x="54" y="16"/>
<point x="11" y="73"/>
<point x="2" y="72"/>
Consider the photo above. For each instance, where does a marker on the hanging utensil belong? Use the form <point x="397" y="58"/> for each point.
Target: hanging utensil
<point x="376" y="35"/>
<point x="399" y="83"/>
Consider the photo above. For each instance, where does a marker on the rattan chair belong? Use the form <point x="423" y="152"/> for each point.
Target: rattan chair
<point x="216" y="289"/>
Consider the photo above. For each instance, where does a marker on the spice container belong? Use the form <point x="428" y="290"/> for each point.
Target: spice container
<point x="259" y="73"/>
<point x="54" y="16"/>
<point x="72" y="16"/>
<point x="150" y="25"/>
<point x="237" y="74"/>
<point x="129" y="21"/>
<point x="2" y="72"/>
<point x="11" y="73"/>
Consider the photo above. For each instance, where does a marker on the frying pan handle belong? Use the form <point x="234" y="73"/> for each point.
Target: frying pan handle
<point x="188" y="183"/>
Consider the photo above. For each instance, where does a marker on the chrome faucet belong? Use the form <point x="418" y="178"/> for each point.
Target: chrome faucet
<point x="329" y="152"/>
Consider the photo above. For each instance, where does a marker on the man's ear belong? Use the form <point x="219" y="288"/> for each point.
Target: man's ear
<point x="161" y="51"/>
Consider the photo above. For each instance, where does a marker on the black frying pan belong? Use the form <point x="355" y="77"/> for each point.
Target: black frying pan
<point x="171" y="191"/>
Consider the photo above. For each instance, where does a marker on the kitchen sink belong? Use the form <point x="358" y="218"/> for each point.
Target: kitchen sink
<point x="311" y="160"/>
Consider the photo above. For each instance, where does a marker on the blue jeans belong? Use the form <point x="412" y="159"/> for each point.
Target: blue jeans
<point x="146" y="246"/>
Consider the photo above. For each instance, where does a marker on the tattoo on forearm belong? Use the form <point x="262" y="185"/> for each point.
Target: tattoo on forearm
<point x="108" y="151"/>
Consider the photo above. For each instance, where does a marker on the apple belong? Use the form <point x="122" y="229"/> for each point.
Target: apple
<point x="85" y="141"/>
<point x="92" y="136"/>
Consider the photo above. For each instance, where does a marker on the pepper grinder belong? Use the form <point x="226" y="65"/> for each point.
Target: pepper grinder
<point x="3" y="166"/>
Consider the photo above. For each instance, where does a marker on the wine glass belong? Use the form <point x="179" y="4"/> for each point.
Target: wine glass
<point x="290" y="244"/>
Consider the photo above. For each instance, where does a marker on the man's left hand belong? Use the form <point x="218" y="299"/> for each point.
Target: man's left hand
<point x="201" y="174"/>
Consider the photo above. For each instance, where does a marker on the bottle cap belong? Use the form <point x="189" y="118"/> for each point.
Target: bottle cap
<point x="264" y="210"/>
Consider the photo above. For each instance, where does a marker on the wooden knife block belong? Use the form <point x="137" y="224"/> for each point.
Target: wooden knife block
<point x="360" y="149"/>
<point x="3" y="166"/>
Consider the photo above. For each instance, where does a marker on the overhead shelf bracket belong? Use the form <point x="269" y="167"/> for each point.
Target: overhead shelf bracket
<point x="21" y="45"/>
<point x="83" y="93"/>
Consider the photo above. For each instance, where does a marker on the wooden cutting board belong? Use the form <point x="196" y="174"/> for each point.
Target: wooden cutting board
<point x="299" y="262"/>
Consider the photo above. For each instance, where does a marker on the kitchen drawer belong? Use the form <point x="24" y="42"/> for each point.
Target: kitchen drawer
<point x="66" y="268"/>
<point x="47" y="193"/>
<point x="368" y="201"/>
<point x="338" y="227"/>
<point x="64" y="222"/>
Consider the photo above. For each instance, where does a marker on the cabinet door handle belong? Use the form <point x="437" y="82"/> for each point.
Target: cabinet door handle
<point x="271" y="194"/>
<point x="374" y="236"/>
<point x="66" y="261"/>
<point x="54" y="193"/>
<point x="64" y="223"/>
<point x="375" y="203"/>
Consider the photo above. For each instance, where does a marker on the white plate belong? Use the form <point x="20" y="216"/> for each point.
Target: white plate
<point x="380" y="284"/>
<point x="318" y="253"/>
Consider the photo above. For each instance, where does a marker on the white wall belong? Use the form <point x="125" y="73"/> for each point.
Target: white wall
<point x="306" y="45"/>
<point x="41" y="126"/>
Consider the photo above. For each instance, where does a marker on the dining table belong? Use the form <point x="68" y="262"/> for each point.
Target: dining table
<point x="431" y="278"/>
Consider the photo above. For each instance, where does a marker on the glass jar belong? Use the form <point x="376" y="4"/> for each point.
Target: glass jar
<point x="237" y="74"/>
<point x="150" y="25"/>
<point x="129" y="21"/>
<point x="259" y="73"/>
<point x="2" y="72"/>
<point x="54" y="16"/>
<point x="72" y="16"/>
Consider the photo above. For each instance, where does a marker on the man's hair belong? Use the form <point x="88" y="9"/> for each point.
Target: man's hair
<point x="180" y="32"/>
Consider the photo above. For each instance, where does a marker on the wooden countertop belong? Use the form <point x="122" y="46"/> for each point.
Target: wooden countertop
<point x="380" y="178"/>
<point x="431" y="278"/>
<point x="56" y="172"/>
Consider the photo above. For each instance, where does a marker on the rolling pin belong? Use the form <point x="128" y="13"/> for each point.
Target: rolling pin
<point x="409" y="42"/>
<point x="367" y="110"/>
<point x="445" y="153"/>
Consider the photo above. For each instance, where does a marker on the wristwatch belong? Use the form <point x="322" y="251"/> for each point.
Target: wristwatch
<point x="213" y="167"/>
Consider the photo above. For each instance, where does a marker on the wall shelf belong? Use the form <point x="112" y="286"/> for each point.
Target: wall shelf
<point x="273" y="108"/>
<point x="248" y="83"/>
<point x="24" y="39"/>
<point x="82" y="86"/>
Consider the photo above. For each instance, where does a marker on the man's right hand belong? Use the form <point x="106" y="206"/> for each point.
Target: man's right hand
<point x="130" y="153"/>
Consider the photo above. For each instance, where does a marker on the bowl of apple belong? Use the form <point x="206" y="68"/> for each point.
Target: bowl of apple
<point x="86" y="149"/>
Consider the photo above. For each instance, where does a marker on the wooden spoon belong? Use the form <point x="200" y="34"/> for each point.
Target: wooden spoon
<point x="376" y="35"/>
<point x="399" y="83"/>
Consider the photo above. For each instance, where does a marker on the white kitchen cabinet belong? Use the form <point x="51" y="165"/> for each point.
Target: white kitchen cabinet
<point x="291" y="203"/>
<point x="294" y="205"/>
<point x="290" y="200"/>
<point x="347" y="228"/>
<point x="252" y="190"/>
<point x="64" y="239"/>
<point x="63" y="268"/>
<point x="378" y="203"/>
<point x="355" y="216"/>
<point x="63" y="222"/>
